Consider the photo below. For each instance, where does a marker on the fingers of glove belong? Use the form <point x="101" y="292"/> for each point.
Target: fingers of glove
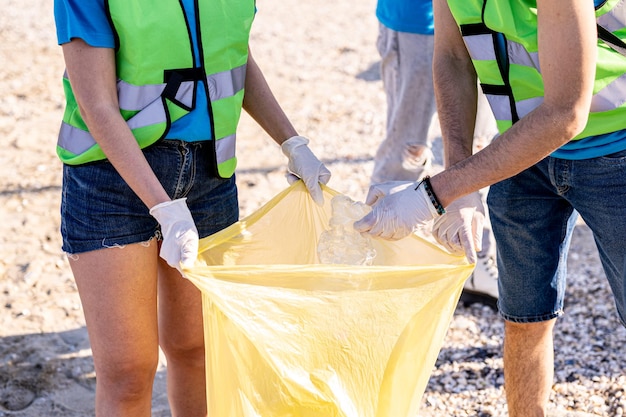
<point x="313" y="185"/>
<point x="451" y="243"/>
<point x="454" y="230"/>
<point x="467" y="237"/>
<point x="180" y="236"/>
<point x="324" y="175"/>
<point x="388" y="230"/>
<point x="398" y="209"/>
<point x="468" y="243"/>
<point x="305" y="165"/>
<point x="189" y="248"/>
<point x="383" y="224"/>
<point x="470" y="231"/>
<point x="478" y="228"/>
<point x="180" y="247"/>
<point x="312" y="182"/>
<point x="366" y="223"/>
<point x="466" y="231"/>
<point x="400" y="233"/>
<point x="291" y="178"/>
<point x="376" y="191"/>
<point x="374" y="194"/>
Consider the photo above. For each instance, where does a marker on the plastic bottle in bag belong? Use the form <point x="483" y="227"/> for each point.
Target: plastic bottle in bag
<point x="341" y="244"/>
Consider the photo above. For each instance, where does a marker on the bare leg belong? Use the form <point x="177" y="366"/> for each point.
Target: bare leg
<point x="117" y="287"/>
<point x="528" y="367"/>
<point x="182" y="341"/>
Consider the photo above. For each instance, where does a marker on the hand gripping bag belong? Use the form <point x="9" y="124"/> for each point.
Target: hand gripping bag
<point x="289" y="337"/>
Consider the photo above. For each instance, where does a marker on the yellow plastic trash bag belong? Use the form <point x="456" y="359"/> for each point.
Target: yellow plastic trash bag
<point x="289" y="337"/>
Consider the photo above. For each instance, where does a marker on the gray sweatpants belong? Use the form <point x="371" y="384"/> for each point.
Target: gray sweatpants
<point x="406" y="71"/>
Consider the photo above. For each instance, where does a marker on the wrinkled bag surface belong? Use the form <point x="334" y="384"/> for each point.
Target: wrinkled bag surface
<point x="287" y="336"/>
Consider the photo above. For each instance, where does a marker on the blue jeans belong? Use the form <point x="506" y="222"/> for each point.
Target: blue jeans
<point x="533" y="215"/>
<point x="99" y="210"/>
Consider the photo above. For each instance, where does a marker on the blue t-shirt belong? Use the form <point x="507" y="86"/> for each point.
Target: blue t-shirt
<point x="413" y="16"/>
<point x="592" y="146"/>
<point x="87" y="20"/>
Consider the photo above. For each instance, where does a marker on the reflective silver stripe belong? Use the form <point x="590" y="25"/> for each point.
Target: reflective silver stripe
<point x="610" y="97"/>
<point x="185" y="93"/>
<point x="226" y="83"/>
<point x="222" y="84"/>
<point x="524" y="107"/>
<point x="615" y="19"/>
<point x="74" y="139"/>
<point x="152" y="114"/>
<point x="77" y="141"/>
<point x="137" y="97"/>
<point x="500" y="106"/>
<point x="147" y="101"/>
<point x="480" y="47"/>
<point x="225" y="148"/>
<point x="520" y="56"/>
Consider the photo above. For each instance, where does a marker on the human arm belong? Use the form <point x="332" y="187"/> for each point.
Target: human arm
<point x="261" y="104"/>
<point x="460" y="229"/>
<point x="93" y="77"/>
<point x="567" y="48"/>
<point x="92" y="74"/>
<point x="567" y="52"/>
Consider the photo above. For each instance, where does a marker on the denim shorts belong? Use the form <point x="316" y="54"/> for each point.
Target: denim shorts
<point x="533" y="215"/>
<point x="99" y="210"/>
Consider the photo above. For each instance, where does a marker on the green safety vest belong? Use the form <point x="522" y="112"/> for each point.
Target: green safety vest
<point x="157" y="77"/>
<point x="501" y="37"/>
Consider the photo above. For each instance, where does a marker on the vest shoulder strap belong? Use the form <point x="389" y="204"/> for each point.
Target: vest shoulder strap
<point x="612" y="40"/>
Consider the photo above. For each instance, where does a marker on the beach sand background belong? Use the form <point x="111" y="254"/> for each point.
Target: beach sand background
<point x="322" y="62"/>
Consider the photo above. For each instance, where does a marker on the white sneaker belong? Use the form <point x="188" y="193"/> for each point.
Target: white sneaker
<point x="482" y="285"/>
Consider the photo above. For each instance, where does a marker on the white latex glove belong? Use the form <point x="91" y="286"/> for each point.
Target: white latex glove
<point x="180" y="236"/>
<point x="460" y="229"/>
<point x="303" y="164"/>
<point x="398" y="209"/>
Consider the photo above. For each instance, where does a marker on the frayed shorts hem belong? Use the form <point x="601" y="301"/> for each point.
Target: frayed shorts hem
<point x="92" y="245"/>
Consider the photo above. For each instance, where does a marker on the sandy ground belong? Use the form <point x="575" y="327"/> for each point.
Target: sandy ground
<point x="321" y="60"/>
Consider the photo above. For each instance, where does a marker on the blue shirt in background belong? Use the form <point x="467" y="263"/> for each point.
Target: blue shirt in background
<point x="413" y="16"/>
